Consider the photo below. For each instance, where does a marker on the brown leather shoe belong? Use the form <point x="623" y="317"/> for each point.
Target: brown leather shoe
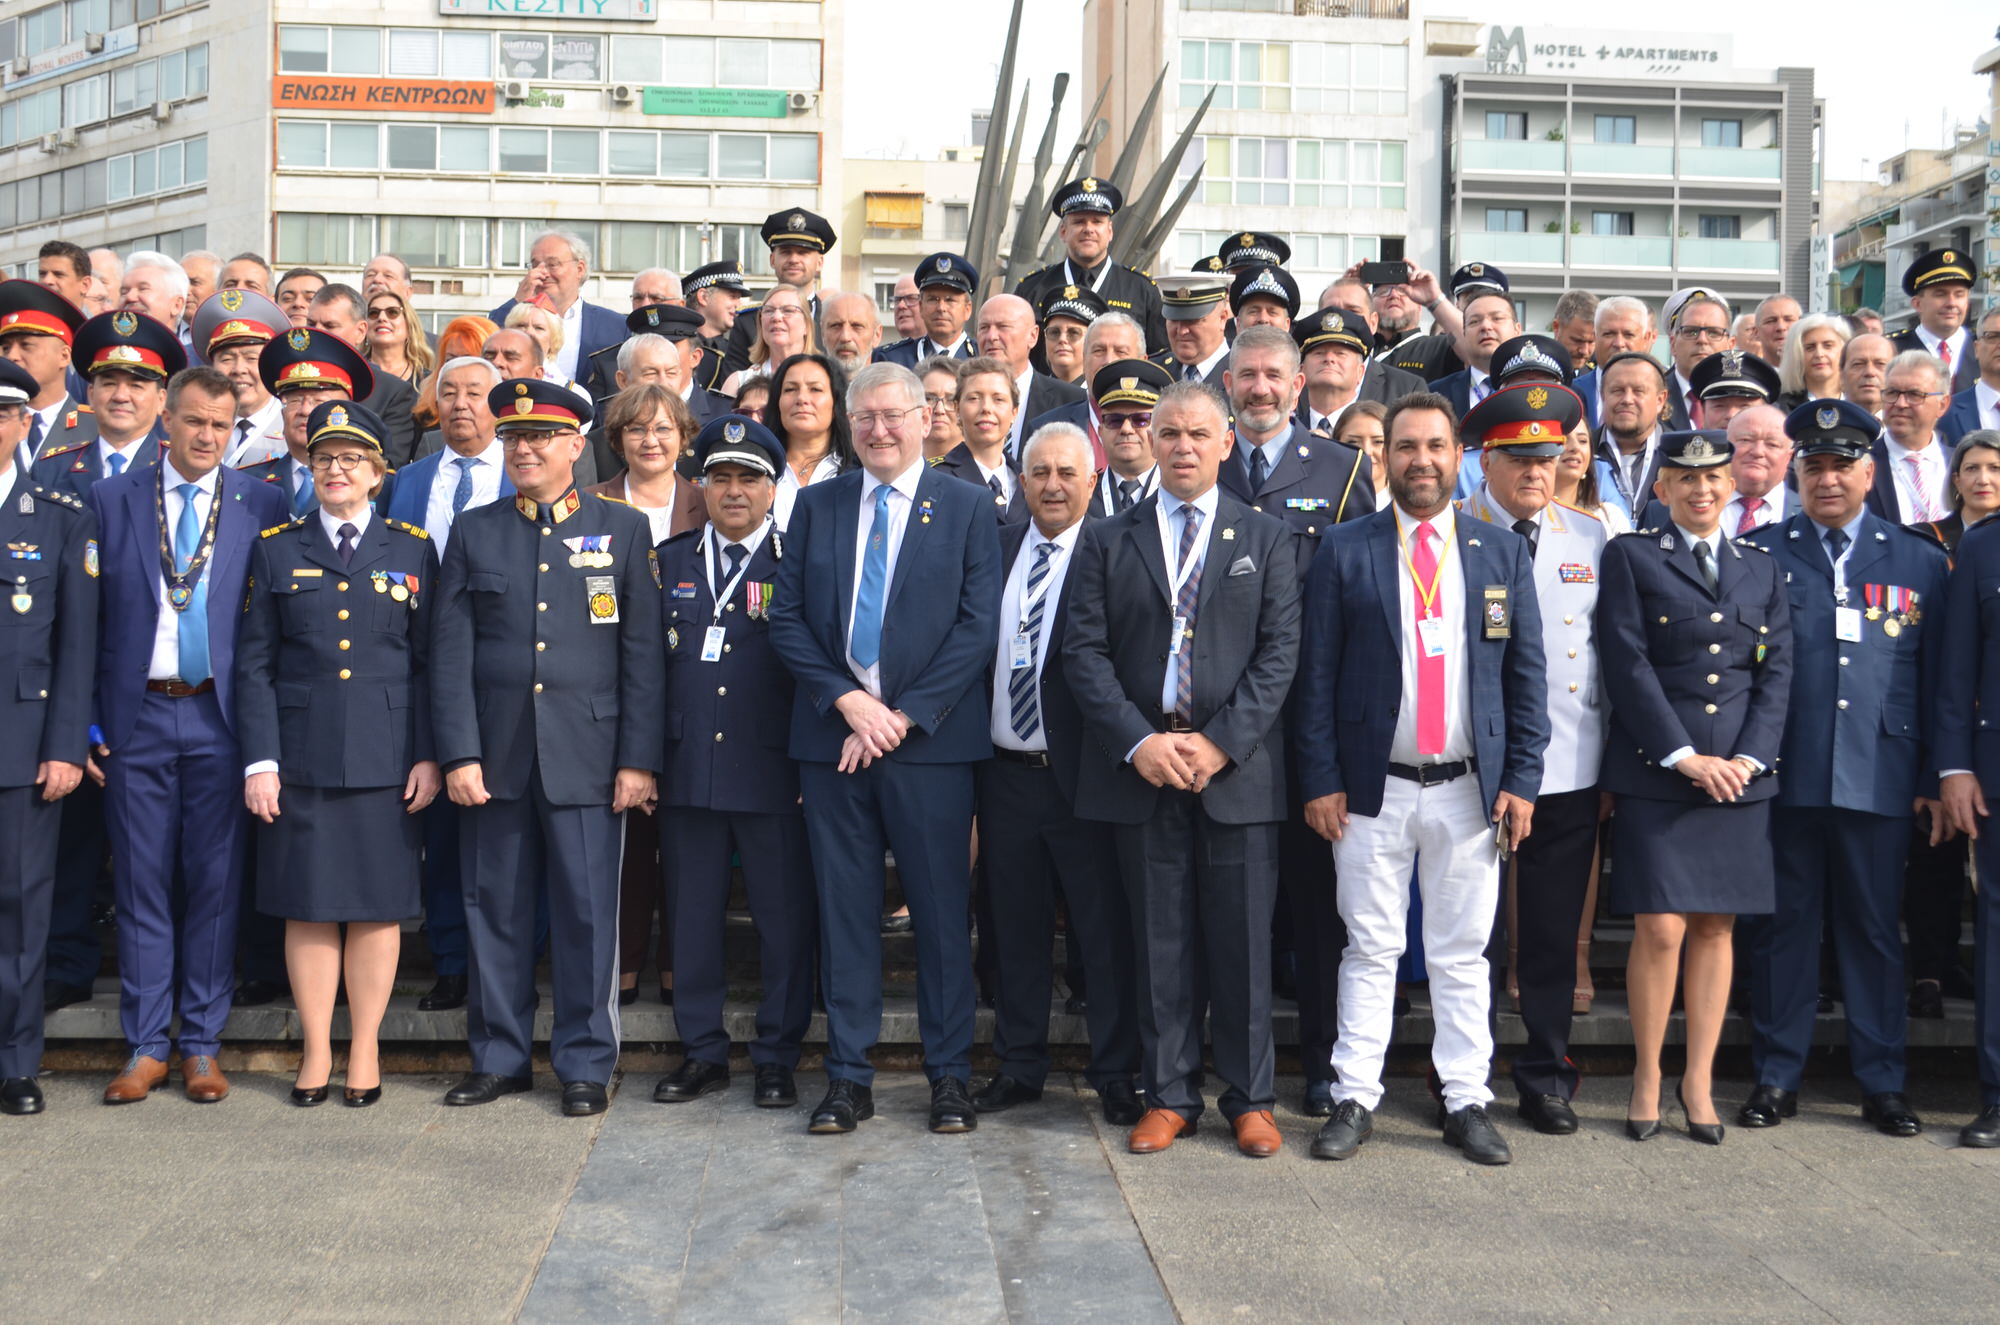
<point x="1257" y="1134"/>
<point x="1158" y="1130"/>
<point x="141" y="1077"/>
<point x="203" y="1080"/>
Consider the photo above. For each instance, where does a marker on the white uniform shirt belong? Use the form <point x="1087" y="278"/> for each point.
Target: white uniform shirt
<point x="486" y="476"/>
<point x="1014" y="618"/>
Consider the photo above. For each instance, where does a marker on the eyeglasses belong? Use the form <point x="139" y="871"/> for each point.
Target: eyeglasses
<point x="534" y="441"/>
<point x="1907" y="397"/>
<point x="1137" y="422"/>
<point x="386" y="313"/>
<point x="552" y="264"/>
<point x="781" y="310"/>
<point x="1703" y="333"/>
<point x="751" y="412"/>
<point x="935" y="399"/>
<point x="639" y="432"/>
<point x="1988" y="337"/>
<point x="903" y="299"/>
<point x="346" y="460"/>
<point x="881" y="418"/>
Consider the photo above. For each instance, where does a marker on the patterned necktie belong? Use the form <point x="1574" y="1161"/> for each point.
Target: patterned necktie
<point x="462" y="494"/>
<point x="1128" y="492"/>
<point x="1481" y="390"/>
<point x="1531" y="531"/>
<point x="1751" y="506"/>
<point x="1184" y="605"/>
<point x="193" y="624"/>
<point x="1260" y="469"/>
<point x="348" y="533"/>
<point x="116" y="464"/>
<point x="1918" y="497"/>
<point x="1023" y="697"/>
<point x="865" y="640"/>
<point x="1944" y="353"/>
<point x="302" y="500"/>
<point x="1430" y="669"/>
<point x="1705" y="559"/>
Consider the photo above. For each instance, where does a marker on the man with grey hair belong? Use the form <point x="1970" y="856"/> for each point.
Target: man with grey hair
<point x="1912" y="465"/>
<point x="1111" y="338"/>
<point x="204" y="270"/>
<point x="107" y="272"/>
<point x="1574" y="327"/>
<point x="386" y="271"/>
<point x="558" y="266"/>
<point x="1698" y="324"/>
<point x="1775" y="316"/>
<point x="850" y="329"/>
<point x="1623" y="325"/>
<point x="155" y="285"/>
<point x="1006" y="331"/>
<point x="655" y="285"/>
<point x="1978" y="406"/>
<point x="1866" y="321"/>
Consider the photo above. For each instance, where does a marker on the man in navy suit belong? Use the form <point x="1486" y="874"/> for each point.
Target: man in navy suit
<point x="885" y="614"/>
<point x="1761" y="459"/>
<point x="1422" y="719"/>
<point x="176" y="553"/>
<point x="1912" y="458"/>
<point x="558" y="266"/>
<point x="1866" y="603"/>
<point x="1489" y="321"/>
<point x="945" y="282"/>
<point x="1976" y="404"/>
<point x="1182" y="641"/>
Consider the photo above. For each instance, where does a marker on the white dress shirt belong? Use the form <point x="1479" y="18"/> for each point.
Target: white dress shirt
<point x="1107" y="488"/>
<point x="572" y="346"/>
<point x="1206" y="366"/>
<point x="1167" y="512"/>
<point x="718" y="564"/>
<point x="903" y="495"/>
<point x="1769" y="513"/>
<point x="1014" y="620"/>
<point x="1005" y="473"/>
<point x="1479" y="387"/>
<point x="105" y="450"/>
<point x="166" y="663"/>
<point x="788" y="488"/>
<point x="487" y="471"/>
<point x="660" y="517"/>
<point x="1451" y="605"/>
<point x="1961" y="345"/>
<point x="1936" y="471"/>
<point x="928" y="348"/>
<point x="1989" y="404"/>
<point x="1016" y="436"/>
<point x="7" y="483"/>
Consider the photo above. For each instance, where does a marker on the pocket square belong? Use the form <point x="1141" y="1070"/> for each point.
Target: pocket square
<point x="1243" y="566"/>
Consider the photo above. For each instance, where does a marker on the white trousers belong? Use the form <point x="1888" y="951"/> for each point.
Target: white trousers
<point x="1445" y="832"/>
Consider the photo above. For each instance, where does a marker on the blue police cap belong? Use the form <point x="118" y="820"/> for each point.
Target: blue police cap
<point x="1831" y="427"/>
<point x="732" y="439"/>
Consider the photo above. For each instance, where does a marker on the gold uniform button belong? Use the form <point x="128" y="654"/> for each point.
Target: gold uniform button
<point x="1763" y="630"/>
<point x="1715" y="648"/>
<point x="541" y="607"/>
<point x="543" y="568"/>
<point x="538" y="687"/>
<point x="344" y="674"/>
<point x="1713" y="678"/>
<point x="730" y="607"/>
<point x="540" y="646"/>
<point x="1569" y="621"/>
<point x="45" y="694"/>
<point x="1572" y="687"/>
<point x="546" y="531"/>
<point x="1842" y="704"/>
<point x="1843" y="660"/>
<point x="345" y="646"/>
<point x="342" y="614"/>
<point x="725" y="648"/>
<point x="721" y="691"/>
<point x="1715" y="616"/>
<point x="1708" y="708"/>
<point x="1663" y="621"/>
<point x="1572" y="653"/>
<point x="342" y="586"/>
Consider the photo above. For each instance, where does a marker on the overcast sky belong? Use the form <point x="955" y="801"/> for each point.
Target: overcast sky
<point x="1898" y="81"/>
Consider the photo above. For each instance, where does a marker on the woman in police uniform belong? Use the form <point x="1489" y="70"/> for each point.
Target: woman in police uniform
<point x="334" y="718"/>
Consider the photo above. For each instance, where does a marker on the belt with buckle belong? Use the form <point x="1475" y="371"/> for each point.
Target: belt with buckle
<point x="1176" y="723"/>
<point x="179" y="689"/>
<point x="1430" y="775"/>
<point x="1031" y="758"/>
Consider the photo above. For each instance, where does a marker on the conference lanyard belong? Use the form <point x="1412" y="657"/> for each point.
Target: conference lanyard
<point x="1096" y="286"/>
<point x="727" y="591"/>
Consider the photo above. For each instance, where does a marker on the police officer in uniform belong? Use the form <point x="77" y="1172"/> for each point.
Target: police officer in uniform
<point x="945" y="284"/>
<point x="728" y="785"/>
<point x="1516" y="361"/>
<point x="37" y="329"/>
<point x="1435" y="356"/>
<point x="229" y="332"/>
<point x="1263" y="295"/>
<point x="1084" y="209"/>
<point x="799" y="241"/>
<point x="304" y="369"/>
<point x="1940" y="283"/>
<point x="126" y="358"/>
<point x="1251" y="248"/>
<point x="1064" y="313"/>
<point x="548" y="621"/>
<point x="1522" y="428"/>
<point x="716" y="290"/>
<point x="1866" y="598"/>
<point x="1729" y="382"/>
<point x="1124" y="392"/>
<point x="1198" y="341"/>
<point x="50" y="569"/>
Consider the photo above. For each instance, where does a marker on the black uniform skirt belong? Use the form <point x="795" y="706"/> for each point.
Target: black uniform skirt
<point x="1687" y="857"/>
<point x="338" y="854"/>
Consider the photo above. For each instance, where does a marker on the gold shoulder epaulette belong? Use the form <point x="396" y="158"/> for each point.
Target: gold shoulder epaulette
<point x="1591" y="515"/>
<point x="1745" y="542"/>
<point x="620" y="500"/>
<point x="410" y="528"/>
<point x="63" y="450"/>
<point x="278" y="528"/>
<point x="59" y="498"/>
<point x="934" y="461"/>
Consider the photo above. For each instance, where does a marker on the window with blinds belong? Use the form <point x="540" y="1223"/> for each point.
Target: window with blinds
<point x="896" y="211"/>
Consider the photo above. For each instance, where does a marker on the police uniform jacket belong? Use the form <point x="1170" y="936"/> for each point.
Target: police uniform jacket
<point x="959" y="463"/>
<point x="1124" y="290"/>
<point x="332" y="682"/>
<point x="74" y="466"/>
<point x="1857" y="736"/>
<point x="75" y="423"/>
<point x="1568" y="551"/>
<point x="728" y="721"/>
<point x="1686" y="667"/>
<point x="554" y="662"/>
<point x="48" y="629"/>
<point x="1964" y="369"/>
<point x="1316" y="483"/>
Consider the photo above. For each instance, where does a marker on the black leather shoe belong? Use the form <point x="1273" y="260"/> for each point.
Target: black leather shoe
<point x="1076" y="1005"/>
<point x="1709" y="1134"/>
<point x="1927" y="1000"/>
<point x="309" y="1097"/>
<point x="486" y="1087"/>
<point x="447" y="994"/>
<point x="1642" y="1129"/>
<point x="1891" y="1114"/>
<point x="21" y="1096"/>
<point x="1120" y="1102"/>
<point x="775" y="1089"/>
<point x="1003" y="1093"/>
<point x="667" y="995"/>
<point x="256" y="993"/>
<point x="951" y="1106"/>
<point x="1767" y="1107"/>
<point x="627" y="997"/>
<point x="1982" y="1133"/>
<point x="1343" y="1133"/>
<point x="1548" y="1114"/>
<point x="581" y="1099"/>
<point x="898" y="924"/>
<point x="1470" y="1130"/>
<point x="1319" y="1100"/>
<point x="690" y="1081"/>
<point x="61" y="993"/>
<point x="846" y="1105"/>
<point x="360" y="1099"/>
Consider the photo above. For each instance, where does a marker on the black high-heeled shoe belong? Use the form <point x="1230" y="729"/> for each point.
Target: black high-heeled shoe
<point x="1709" y="1134"/>
<point x="627" y="997"/>
<point x="1643" y="1129"/>
<point x="360" y="1099"/>
<point x="310" y="1097"/>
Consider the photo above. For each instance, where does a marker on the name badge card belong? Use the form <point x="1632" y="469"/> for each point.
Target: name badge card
<point x="1430" y="632"/>
<point x="711" y="644"/>
<point x="1847" y="624"/>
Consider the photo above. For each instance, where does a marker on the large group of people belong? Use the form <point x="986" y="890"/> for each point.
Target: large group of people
<point x="1252" y="646"/>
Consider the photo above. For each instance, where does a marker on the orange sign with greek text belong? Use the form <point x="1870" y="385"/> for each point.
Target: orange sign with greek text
<point x="293" y="92"/>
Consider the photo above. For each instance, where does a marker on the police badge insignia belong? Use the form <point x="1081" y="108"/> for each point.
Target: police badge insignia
<point x="298" y="338"/>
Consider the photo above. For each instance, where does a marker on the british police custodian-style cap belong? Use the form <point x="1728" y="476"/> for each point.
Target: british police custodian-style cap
<point x="1477" y="278"/>
<point x="799" y="228"/>
<point x="1186" y="297"/>
<point x="29" y="307"/>
<point x="1330" y="326"/>
<point x="532" y="402"/>
<point x="17" y="385"/>
<point x="1940" y="266"/>
<point x="1251" y="246"/>
<point x="1831" y="427"/>
<point x="1265" y="281"/>
<point x="1129" y="382"/>
<point x="1703" y="448"/>
<point x="1089" y="194"/>
<point x="720" y="275"/>
<point x="731" y="439"/>
<point x="1078" y="302"/>
<point x="947" y="269"/>
<point x="127" y="343"/>
<point x="235" y="317"/>
<point x="669" y="320"/>
<point x="1734" y="373"/>
<point x="343" y="420"/>
<point x="1530" y="358"/>
<point x="1531" y="419"/>
<point x="303" y="358"/>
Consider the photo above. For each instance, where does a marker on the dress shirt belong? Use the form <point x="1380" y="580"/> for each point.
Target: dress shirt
<point x="1480" y="382"/>
<point x="1853" y="531"/>
<point x="1004" y="473"/>
<point x="1961" y="345"/>
<point x="928" y="348"/>
<point x="1206" y="366"/>
<point x="1937" y="478"/>
<point x="718" y="563"/>
<point x="904" y="494"/>
<point x="1014" y="616"/>
<point x="1107" y="488"/>
<point x="788" y="488"/>
<point x="1016" y="436"/>
<point x="660" y="517"/>
<point x="572" y="329"/>
<point x="1989" y="404"/>
<point x="263" y="440"/>
<point x="1315" y="421"/>
<point x="166" y="664"/>
<point x="1166" y="511"/>
<point x="486" y="476"/>
<point x="1688" y="400"/>
<point x="1632" y="469"/>
<point x="50" y="417"/>
<point x="1274" y="451"/>
<point x="105" y="450"/>
<point x="1774" y="504"/>
<point x="1451" y="604"/>
<point x="7" y="483"/>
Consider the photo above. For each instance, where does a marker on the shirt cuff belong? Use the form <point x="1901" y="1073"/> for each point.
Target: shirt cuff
<point x="1676" y="756"/>
<point x="1135" y="749"/>
<point x="1954" y="772"/>
<point x="261" y="766"/>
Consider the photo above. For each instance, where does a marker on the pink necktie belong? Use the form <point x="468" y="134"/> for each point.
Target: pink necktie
<point x="1430" y="670"/>
<point x="1920" y="498"/>
<point x="1751" y="505"/>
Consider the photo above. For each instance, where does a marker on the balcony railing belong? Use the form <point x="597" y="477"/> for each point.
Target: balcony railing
<point x="1621" y="159"/>
<point x="1730" y="254"/>
<point x="1731" y="162"/>
<point x="1504" y="247"/>
<point x="1649" y="160"/>
<point x="1621" y="251"/>
<point x="1512" y="154"/>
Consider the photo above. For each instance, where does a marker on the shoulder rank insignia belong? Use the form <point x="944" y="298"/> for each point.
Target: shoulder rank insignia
<point x="277" y="529"/>
<point x="411" y="529"/>
<point x="64" y="450"/>
<point x="57" y="496"/>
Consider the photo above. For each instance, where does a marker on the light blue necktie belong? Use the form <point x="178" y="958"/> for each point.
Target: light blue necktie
<point x="1023" y="698"/>
<point x="866" y="641"/>
<point x="462" y="494"/>
<point x="116" y="463"/>
<point x="194" y="620"/>
<point x="302" y="500"/>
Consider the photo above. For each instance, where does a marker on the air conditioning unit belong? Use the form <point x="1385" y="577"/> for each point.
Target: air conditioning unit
<point x="161" y="111"/>
<point x="66" y="138"/>
<point x="20" y="66"/>
<point x="514" y="89"/>
<point x="799" y="103"/>
<point x="624" y="94"/>
<point x="49" y="142"/>
<point x="93" y="43"/>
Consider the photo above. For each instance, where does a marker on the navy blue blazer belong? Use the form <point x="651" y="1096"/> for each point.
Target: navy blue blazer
<point x="128" y="524"/>
<point x="1967" y="714"/>
<point x="1316" y="484"/>
<point x="1457" y="388"/>
<point x="904" y="352"/>
<point x="1062" y="718"/>
<point x="959" y="463"/>
<point x="1585" y="387"/>
<point x="1882" y="493"/>
<point x="410" y="499"/>
<point x="1350" y="686"/>
<point x="1961" y="418"/>
<point x="49" y="645"/>
<point x="1856" y="733"/>
<point x="937" y="637"/>
<point x="1076" y="412"/>
<point x="602" y="327"/>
